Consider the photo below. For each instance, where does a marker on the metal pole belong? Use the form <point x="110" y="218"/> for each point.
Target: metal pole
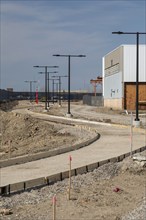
<point x="59" y="90"/>
<point x="56" y="89"/>
<point x="48" y="89"/>
<point x="131" y="135"/>
<point x="68" y="84"/>
<point x="45" y="87"/>
<point x="137" y="69"/>
<point x="137" y="74"/>
<point x="30" y="91"/>
<point x="53" y="91"/>
<point x="58" y="55"/>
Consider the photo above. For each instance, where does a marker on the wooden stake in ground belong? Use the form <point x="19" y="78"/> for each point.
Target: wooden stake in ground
<point x="131" y="135"/>
<point x="69" y="188"/>
<point x="54" y="207"/>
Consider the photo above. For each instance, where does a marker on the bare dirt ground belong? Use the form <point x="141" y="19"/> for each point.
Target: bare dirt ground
<point x="112" y="192"/>
<point x="22" y="134"/>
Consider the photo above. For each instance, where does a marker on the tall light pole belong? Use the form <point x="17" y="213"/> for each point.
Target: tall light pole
<point x="59" y="79"/>
<point x="56" y="89"/>
<point x="137" y="121"/>
<point x="46" y="81"/>
<point x="53" y="88"/>
<point x="69" y="56"/>
<point x="30" y="86"/>
<point x="48" y="90"/>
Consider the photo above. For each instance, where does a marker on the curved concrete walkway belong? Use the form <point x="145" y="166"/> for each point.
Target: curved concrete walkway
<point x="114" y="141"/>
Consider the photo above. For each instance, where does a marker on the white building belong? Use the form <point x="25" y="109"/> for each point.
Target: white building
<point x="119" y="77"/>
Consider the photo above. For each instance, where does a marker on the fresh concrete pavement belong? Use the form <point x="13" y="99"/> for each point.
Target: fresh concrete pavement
<point x="114" y="141"/>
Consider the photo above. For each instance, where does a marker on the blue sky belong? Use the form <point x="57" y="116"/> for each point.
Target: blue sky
<point x="33" y="30"/>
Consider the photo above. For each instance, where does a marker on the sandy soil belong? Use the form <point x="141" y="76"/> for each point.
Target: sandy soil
<point x="23" y="134"/>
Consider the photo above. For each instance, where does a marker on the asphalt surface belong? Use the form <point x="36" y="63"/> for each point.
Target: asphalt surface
<point x="114" y="141"/>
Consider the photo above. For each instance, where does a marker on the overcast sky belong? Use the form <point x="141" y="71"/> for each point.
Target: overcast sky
<point x="33" y="30"/>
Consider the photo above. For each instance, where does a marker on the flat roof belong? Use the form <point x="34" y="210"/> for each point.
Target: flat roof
<point x="124" y="45"/>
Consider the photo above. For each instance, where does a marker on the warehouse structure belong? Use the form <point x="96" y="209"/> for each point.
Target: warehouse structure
<point x="119" y="78"/>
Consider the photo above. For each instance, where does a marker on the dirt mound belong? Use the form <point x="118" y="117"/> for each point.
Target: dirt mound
<point x="23" y="134"/>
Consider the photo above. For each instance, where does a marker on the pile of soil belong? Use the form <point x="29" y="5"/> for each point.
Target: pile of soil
<point x="23" y="134"/>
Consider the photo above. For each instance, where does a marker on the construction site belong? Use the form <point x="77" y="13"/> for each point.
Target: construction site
<point x="73" y="110"/>
<point x="74" y="155"/>
<point x="91" y="166"/>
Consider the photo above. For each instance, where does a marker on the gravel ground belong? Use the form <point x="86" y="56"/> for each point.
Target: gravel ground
<point x="138" y="213"/>
<point x="112" y="192"/>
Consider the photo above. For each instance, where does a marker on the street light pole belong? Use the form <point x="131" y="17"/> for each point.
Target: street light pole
<point x="69" y="113"/>
<point x="46" y="97"/>
<point x="30" y="86"/>
<point x="59" y="79"/>
<point x="69" y="56"/>
<point x="56" y="90"/>
<point x="137" y="71"/>
<point x="137" y="75"/>
<point x="59" y="90"/>
<point x="48" y="89"/>
<point x="53" y="89"/>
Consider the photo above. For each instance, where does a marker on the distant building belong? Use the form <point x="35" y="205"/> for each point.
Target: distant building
<point x="119" y="77"/>
<point x="10" y="89"/>
<point x="3" y="95"/>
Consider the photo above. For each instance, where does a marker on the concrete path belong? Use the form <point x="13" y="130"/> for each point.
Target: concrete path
<point x="114" y="141"/>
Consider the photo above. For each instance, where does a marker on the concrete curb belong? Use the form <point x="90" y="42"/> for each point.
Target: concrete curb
<point x="43" y="181"/>
<point x="38" y="156"/>
<point x="77" y="120"/>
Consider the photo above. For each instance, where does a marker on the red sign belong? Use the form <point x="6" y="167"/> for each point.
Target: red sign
<point x="36" y="96"/>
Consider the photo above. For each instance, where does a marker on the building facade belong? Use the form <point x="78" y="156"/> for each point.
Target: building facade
<point x="119" y="77"/>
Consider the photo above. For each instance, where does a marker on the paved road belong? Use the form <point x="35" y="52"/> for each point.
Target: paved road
<point x="114" y="141"/>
